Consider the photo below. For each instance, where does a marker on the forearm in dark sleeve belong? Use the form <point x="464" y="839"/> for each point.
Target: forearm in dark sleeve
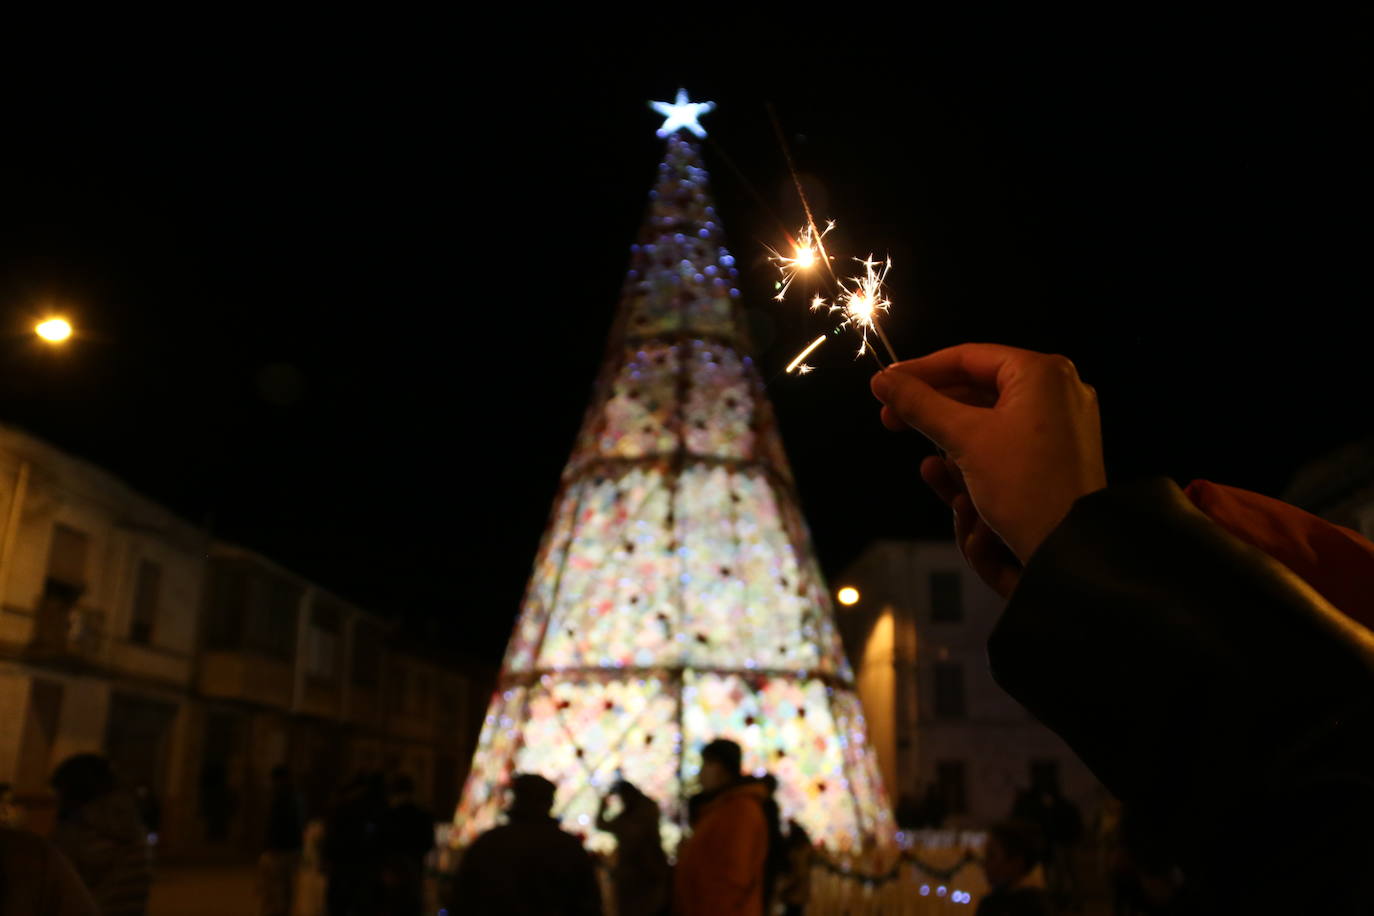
<point x="1199" y="679"/>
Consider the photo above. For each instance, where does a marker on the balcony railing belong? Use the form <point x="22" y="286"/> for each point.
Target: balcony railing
<point x="68" y="632"/>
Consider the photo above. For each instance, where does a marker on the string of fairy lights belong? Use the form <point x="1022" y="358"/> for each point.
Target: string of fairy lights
<point x="935" y="881"/>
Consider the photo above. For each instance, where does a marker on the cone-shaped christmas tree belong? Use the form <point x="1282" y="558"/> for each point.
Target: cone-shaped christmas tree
<point x="675" y="597"/>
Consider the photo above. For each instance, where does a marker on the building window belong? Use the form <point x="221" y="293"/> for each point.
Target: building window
<point x="67" y="556"/>
<point x="1044" y="775"/>
<point x="147" y="596"/>
<point x="949" y="691"/>
<point x="946" y="597"/>
<point x="398" y="686"/>
<point x="65" y="583"/>
<point x="227" y="603"/>
<point x="320" y="648"/>
<point x="251" y="609"/>
<point x="446" y="717"/>
<point x="367" y="655"/>
<point x="322" y="642"/>
<point x="421" y="683"/>
<point x="953" y="787"/>
<point x="276" y="615"/>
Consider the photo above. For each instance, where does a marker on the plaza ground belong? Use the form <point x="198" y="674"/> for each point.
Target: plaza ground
<point x="230" y="890"/>
<point x="204" y="890"/>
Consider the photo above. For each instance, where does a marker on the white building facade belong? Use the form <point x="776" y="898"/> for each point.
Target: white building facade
<point x="917" y="638"/>
<point x="100" y="590"/>
<point x="197" y="666"/>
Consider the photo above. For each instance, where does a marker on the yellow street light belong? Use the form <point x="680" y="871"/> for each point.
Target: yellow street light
<point x="54" y="330"/>
<point x="848" y="595"/>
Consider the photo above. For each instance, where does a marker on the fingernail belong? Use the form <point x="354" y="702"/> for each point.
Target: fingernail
<point x="881" y="385"/>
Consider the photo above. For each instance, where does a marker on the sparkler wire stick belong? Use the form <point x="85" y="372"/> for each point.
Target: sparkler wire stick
<point x="886" y="343"/>
<point x="746" y="183"/>
<point x="796" y="181"/>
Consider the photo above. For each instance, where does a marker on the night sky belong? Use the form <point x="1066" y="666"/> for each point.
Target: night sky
<point x="344" y="301"/>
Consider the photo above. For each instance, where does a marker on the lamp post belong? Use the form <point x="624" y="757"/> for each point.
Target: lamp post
<point x="55" y="330"/>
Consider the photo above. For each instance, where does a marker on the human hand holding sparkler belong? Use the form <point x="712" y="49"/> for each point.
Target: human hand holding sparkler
<point x="1020" y="427"/>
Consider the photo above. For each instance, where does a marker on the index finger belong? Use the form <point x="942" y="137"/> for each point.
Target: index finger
<point x="918" y="405"/>
<point x="979" y="365"/>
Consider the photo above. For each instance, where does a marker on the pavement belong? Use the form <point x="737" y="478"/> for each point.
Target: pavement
<point x="204" y="890"/>
<point x="231" y="890"/>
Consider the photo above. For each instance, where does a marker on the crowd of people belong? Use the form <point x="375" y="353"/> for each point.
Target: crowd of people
<point x="365" y="856"/>
<point x="738" y="859"/>
<point x="99" y="858"/>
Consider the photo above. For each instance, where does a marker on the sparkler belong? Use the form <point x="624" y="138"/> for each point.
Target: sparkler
<point x="862" y="304"/>
<point x="807" y="251"/>
<point x="859" y="306"/>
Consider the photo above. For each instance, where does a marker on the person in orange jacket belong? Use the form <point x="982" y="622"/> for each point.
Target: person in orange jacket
<point x="720" y="867"/>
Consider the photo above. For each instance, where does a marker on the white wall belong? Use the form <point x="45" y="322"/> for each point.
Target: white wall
<point x="81" y="726"/>
<point x="14" y="702"/>
<point x="996" y="738"/>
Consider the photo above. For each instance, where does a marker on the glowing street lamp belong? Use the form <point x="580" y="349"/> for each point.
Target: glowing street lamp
<point x="848" y="596"/>
<point x="54" y="330"/>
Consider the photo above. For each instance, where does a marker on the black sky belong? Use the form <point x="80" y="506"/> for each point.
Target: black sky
<point x="345" y="303"/>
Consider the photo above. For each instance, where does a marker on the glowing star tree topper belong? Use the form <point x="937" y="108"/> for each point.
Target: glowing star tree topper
<point x="682" y="114"/>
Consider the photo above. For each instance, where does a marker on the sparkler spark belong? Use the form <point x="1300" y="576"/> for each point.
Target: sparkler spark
<point x="858" y="304"/>
<point x="807" y="251"/>
<point x="803" y="355"/>
<point x="864" y="301"/>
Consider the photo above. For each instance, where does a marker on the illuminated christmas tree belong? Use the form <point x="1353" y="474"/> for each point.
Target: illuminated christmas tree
<point x="675" y="597"/>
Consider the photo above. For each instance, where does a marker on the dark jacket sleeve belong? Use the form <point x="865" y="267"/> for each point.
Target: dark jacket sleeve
<point x="1206" y="685"/>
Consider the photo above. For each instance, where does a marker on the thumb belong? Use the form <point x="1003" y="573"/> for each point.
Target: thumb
<point x="921" y="407"/>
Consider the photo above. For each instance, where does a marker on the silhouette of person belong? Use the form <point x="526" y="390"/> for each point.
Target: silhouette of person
<point x="282" y="846"/>
<point x="1061" y="827"/>
<point x="529" y="865"/>
<point x="794" y="885"/>
<point x="407" y="837"/>
<point x="352" y="847"/>
<point x="100" y="833"/>
<point x="641" y="872"/>
<point x="1011" y="861"/>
